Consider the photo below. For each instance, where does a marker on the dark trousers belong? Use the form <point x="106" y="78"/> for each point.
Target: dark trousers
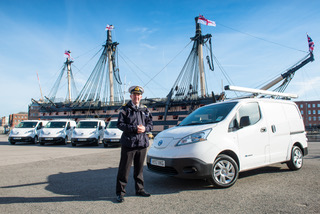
<point x="137" y="155"/>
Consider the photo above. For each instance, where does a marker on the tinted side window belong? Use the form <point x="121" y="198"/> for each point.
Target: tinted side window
<point x="250" y="110"/>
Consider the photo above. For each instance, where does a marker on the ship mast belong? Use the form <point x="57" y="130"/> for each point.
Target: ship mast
<point x="109" y="50"/>
<point x="68" y="63"/>
<point x="200" y="56"/>
<point x="289" y="74"/>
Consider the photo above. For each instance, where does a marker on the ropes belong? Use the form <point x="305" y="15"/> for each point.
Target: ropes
<point x="167" y="64"/>
<point x="262" y="39"/>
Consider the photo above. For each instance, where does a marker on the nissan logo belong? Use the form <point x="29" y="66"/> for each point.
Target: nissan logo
<point x="160" y="142"/>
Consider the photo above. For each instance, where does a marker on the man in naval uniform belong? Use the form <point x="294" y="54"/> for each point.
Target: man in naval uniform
<point x="134" y="120"/>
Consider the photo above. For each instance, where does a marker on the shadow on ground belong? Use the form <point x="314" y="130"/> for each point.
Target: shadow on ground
<point x="95" y="185"/>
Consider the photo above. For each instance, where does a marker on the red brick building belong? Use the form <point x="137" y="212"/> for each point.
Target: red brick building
<point x="310" y="111"/>
<point x="15" y="119"/>
<point x="3" y="121"/>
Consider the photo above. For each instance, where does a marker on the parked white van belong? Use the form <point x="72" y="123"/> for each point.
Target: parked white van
<point x="57" y="131"/>
<point x="26" y="131"/>
<point x="88" y="131"/>
<point x="219" y="140"/>
<point x="112" y="134"/>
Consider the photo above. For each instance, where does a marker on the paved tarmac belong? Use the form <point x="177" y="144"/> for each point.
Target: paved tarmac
<point x="65" y="179"/>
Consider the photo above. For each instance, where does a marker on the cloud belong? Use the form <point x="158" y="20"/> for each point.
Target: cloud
<point x="148" y="46"/>
<point x="306" y="87"/>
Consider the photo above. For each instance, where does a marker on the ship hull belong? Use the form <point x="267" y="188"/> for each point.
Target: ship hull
<point x="162" y="119"/>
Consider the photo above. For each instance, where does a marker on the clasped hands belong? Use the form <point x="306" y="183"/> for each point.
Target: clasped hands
<point x="141" y="129"/>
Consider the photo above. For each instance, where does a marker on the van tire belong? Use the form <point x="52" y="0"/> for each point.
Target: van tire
<point x="296" y="159"/>
<point x="12" y="142"/>
<point x="225" y="172"/>
<point x="35" y="139"/>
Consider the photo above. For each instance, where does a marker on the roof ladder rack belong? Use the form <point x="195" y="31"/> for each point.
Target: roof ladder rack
<point x="257" y="92"/>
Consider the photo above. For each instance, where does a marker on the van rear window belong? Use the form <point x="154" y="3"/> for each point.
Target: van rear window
<point x="209" y="114"/>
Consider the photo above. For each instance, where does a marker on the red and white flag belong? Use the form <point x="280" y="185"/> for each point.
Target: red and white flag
<point x="109" y="27"/>
<point x="67" y="54"/>
<point x="205" y="21"/>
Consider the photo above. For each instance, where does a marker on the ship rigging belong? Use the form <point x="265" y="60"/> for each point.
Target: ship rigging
<point x="102" y="97"/>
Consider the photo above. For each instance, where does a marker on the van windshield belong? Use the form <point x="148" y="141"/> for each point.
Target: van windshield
<point x="27" y="125"/>
<point x="87" y="124"/>
<point x="112" y="125"/>
<point x="208" y="114"/>
<point x="55" y="124"/>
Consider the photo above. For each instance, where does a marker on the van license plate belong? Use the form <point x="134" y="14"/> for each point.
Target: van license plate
<point x="81" y="139"/>
<point x="158" y="162"/>
<point x="48" y="138"/>
<point x="17" y="138"/>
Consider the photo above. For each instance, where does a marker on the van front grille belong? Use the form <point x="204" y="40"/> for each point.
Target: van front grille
<point x="163" y="170"/>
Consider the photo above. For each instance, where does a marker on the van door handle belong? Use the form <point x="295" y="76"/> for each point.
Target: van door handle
<point x="273" y="128"/>
<point x="263" y="129"/>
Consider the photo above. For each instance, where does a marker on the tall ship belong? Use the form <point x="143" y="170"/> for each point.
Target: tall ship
<point x="102" y="95"/>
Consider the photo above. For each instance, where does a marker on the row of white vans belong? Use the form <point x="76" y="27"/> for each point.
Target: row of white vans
<point x="89" y="131"/>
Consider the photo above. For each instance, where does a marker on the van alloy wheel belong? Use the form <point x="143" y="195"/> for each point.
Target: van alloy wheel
<point x="296" y="160"/>
<point x="224" y="172"/>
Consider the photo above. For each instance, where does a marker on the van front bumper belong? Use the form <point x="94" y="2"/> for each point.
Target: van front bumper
<point x="111" y="142"/>
<point x="180" y="167"/>
<point x="21" y="139"/>
<point x="84" y="140"/>
<point x="51" y="140"/>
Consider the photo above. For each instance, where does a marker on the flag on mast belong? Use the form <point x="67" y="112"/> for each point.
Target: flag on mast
<point x="205" y="21"/>
<point x="67" y="54"/>
<point x="311" y="43"/>
<point x="109" y="27"/>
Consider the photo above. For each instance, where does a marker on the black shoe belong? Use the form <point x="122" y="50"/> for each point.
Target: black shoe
<point x="120" y="198"/>
<point x="143" y="194"/>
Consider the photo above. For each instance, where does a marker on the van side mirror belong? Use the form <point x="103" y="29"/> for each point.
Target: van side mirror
<point x="244" y="121"/>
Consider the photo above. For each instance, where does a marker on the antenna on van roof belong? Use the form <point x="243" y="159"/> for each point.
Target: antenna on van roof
<point x="256" y="92"/>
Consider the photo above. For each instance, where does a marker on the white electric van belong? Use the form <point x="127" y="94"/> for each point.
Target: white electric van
<point x="26" y="131"/>
<point x="219" y="140"/>
<point x="88" y="131"/>
<point x="112" y="134"/>
<point x="57" y="131"/>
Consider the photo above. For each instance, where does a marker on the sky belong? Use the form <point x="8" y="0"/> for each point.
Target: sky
<point x="254" y="41"/>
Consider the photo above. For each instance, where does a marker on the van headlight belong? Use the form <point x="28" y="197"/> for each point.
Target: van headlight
<point x="194" y="138"/>
<point x="31" y="131"/>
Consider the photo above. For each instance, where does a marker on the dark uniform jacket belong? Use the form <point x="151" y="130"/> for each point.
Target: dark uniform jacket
<point x="128" y="120"/>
